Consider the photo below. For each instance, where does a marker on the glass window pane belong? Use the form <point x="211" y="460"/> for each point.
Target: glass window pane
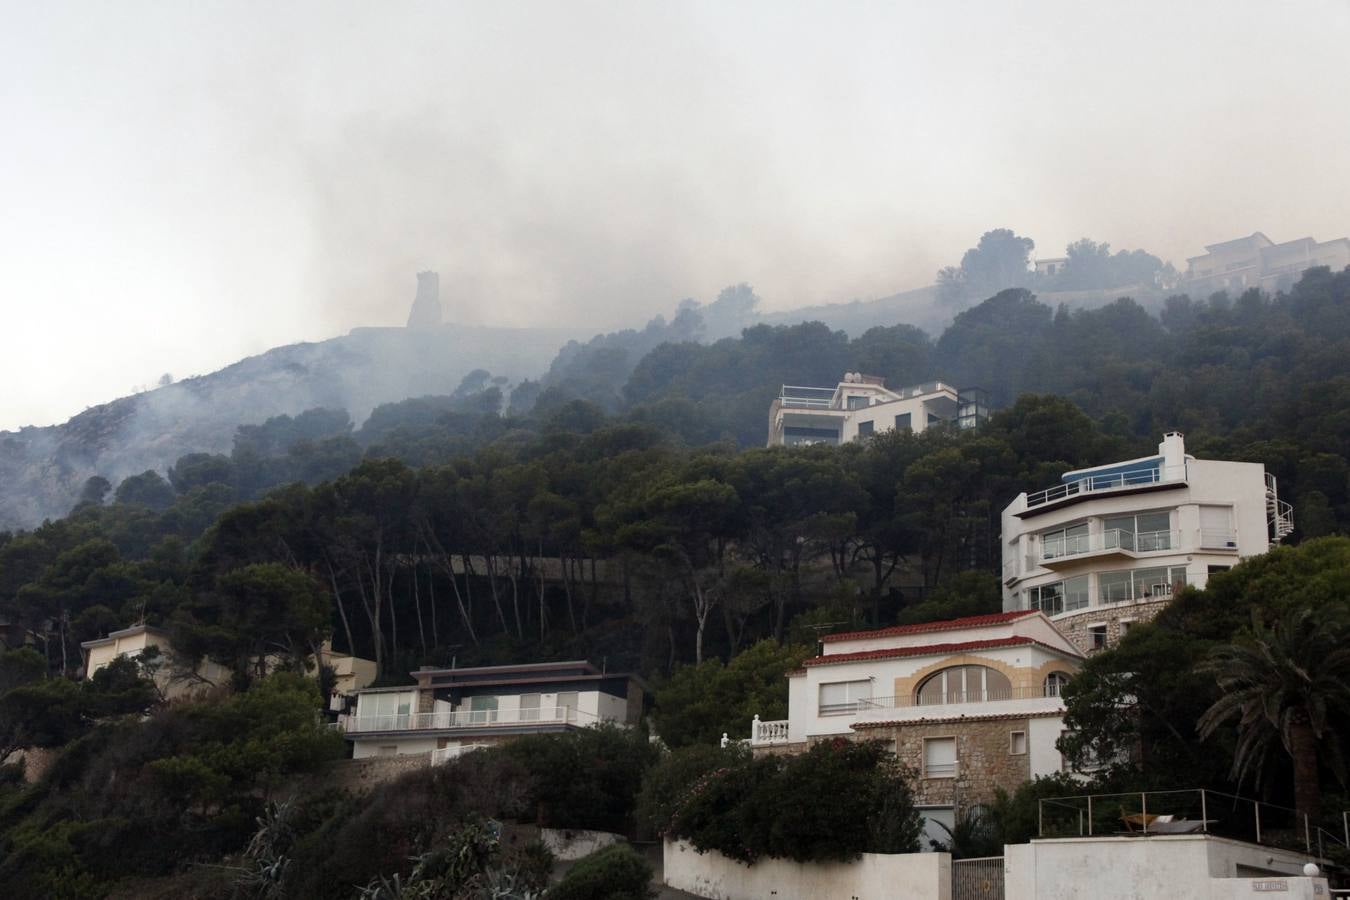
<point x="1076" y="592"/>
<point x="1114" y="587"/>
<point x="1151" y="583"/>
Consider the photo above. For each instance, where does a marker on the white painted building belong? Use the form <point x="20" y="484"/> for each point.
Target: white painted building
<point x="862" y="405"/>
<point x="174" y="676"/>
<point x="970" y="704"/>
<point x="1108" y="546"/>
<point x="452" y="711"/>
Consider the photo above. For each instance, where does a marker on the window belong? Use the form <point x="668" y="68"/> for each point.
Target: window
<point x="1215" y="570"/>
<point x="858" y="402"/>
<point x="1125" y="626"/>
<point x="939" y="757"/>
<point x="482" y="709"/>
<point x="1144" y="532"/>
<point x="902" y="422"/>
<point x="529" y="707"/>
<point x="567" y="705"/>
<point x="1097" y="637"/>
<point x="1017" y="743"/>
<point x="387" y="750"/>
<point x="1140" y="584"/>
<point x="963" y="684"/>
<point x="865" y="428"/>
<point x="1216" y="527"/>
<point x="1059" y="596"/>
<point x="935" y="836"/>
<point x="1054" y="683"/>
<point x="1065" y="541"/>
<point x="840" y="698"/>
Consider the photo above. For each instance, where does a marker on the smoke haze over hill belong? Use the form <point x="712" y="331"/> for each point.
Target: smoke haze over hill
<point x="186" y="185"/>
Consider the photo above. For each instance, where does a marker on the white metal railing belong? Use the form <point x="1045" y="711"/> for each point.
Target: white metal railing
<point x="797" y="397"/>
<point x="1098" y="483"/>
<point x="762" y="732"/>
<point x="437" y="721"/>
<point x="948" y="697"/>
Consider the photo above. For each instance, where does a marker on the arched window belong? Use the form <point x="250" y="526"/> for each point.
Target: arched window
<point x="1054" y="683"/>
<point x="963" y="684"/>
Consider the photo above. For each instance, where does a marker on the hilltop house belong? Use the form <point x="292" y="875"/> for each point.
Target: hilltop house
<point x="350" y="674"/>
<point x="1108" y="546"/>
<point x="1257" y="261"/>
<point x="451" y="711"/>
<point x="170" y="673"/>
<point x="861" y="405"/>
<point x="971" y="704"/>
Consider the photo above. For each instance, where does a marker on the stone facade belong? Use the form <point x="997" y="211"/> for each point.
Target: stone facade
<point x="361" y="776"/>
<point x="984" y="760"/>
<point x="1115" y="618"/>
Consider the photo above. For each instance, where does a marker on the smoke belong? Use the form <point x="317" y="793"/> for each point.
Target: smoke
<point x="186" y="184"/>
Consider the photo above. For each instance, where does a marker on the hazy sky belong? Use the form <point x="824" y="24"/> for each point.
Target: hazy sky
<point x="182" y="184"/>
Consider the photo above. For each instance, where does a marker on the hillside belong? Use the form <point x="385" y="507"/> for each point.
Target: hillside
<point x="42" y="469"/>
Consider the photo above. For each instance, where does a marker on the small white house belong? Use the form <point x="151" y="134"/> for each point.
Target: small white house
<point x="171" y="674"/>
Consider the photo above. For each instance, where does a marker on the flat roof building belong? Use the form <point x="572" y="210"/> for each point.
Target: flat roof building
<point x="1108" y="546"/>
<point x="861" y="405"/>
<point x="452" y="711"/>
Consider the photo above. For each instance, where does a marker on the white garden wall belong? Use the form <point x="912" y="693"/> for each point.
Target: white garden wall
<point x="875" y="876"/>
<point x="1125" y="868"/>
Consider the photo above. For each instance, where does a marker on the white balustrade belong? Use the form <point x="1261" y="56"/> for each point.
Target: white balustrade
<point x="475" y="718"/>
<point x="768" y="732"/>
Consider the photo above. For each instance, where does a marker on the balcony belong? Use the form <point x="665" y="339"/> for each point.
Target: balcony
<point x="1061" y="551"/>
<point x="797" y="397"/>
<point x="476" y="720"/>
<point x="766" y="733"/>
<point x="1105" y="485"/>
<point x="953" y="704"/>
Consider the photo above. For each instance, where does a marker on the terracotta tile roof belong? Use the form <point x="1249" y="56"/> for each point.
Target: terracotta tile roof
<point x="927" y="650"/>
<point x="923" y="627"/>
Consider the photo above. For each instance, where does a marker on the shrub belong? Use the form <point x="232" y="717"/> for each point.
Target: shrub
<point x="835" y="801"/>
<point x="665" y="785"/>
<point x="618" y="872"/>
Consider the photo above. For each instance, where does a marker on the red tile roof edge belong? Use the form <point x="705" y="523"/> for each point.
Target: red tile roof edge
<point x="938" y="720"/>
<point x="945" y="625"/>
<point x="930" y="649"/>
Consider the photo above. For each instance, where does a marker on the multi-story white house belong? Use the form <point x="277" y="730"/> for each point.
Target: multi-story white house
<point x="861" y="405"/>
<point x="1108" y="546"/>
<point x="1257" y="261"/>
<point x="451" y="711"/>
<point x="970" y="704"/>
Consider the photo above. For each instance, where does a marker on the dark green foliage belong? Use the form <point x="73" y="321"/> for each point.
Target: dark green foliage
<point x="147" y="489"/>
<point x="588" y="778"/>
<point x="666" y="784"/>
<point x="833" y="802"/>
<point x="700" y="703"/>
<point x="618" y="872"/>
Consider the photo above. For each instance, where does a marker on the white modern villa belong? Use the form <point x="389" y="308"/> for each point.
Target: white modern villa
<point x="862" y="405"/>
<point x="971" y="704"/>
<point x="452" y="711"/>
<point x="1108" y="546"/>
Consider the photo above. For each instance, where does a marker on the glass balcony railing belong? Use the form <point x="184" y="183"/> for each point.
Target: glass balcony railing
<point x="1102" y="483"/>
<point x="1113" y="539"/>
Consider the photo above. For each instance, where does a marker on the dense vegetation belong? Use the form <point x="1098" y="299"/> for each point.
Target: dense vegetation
<point x="635" y="529"/>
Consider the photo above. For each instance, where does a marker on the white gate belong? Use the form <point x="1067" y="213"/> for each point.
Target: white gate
<point x="977" y="879"/>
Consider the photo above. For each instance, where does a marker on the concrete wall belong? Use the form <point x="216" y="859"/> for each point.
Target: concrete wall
<point x="1125" y="868"/>
<point x="404" y="744"/>
<point x="900" y="876"/>
<point x="571" y="844"/>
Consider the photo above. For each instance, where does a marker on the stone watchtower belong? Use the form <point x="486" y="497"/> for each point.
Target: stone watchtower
<point x="426" y="307"/>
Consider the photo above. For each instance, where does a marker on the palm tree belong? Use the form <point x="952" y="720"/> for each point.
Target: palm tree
<point x="1286" y="683"/>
